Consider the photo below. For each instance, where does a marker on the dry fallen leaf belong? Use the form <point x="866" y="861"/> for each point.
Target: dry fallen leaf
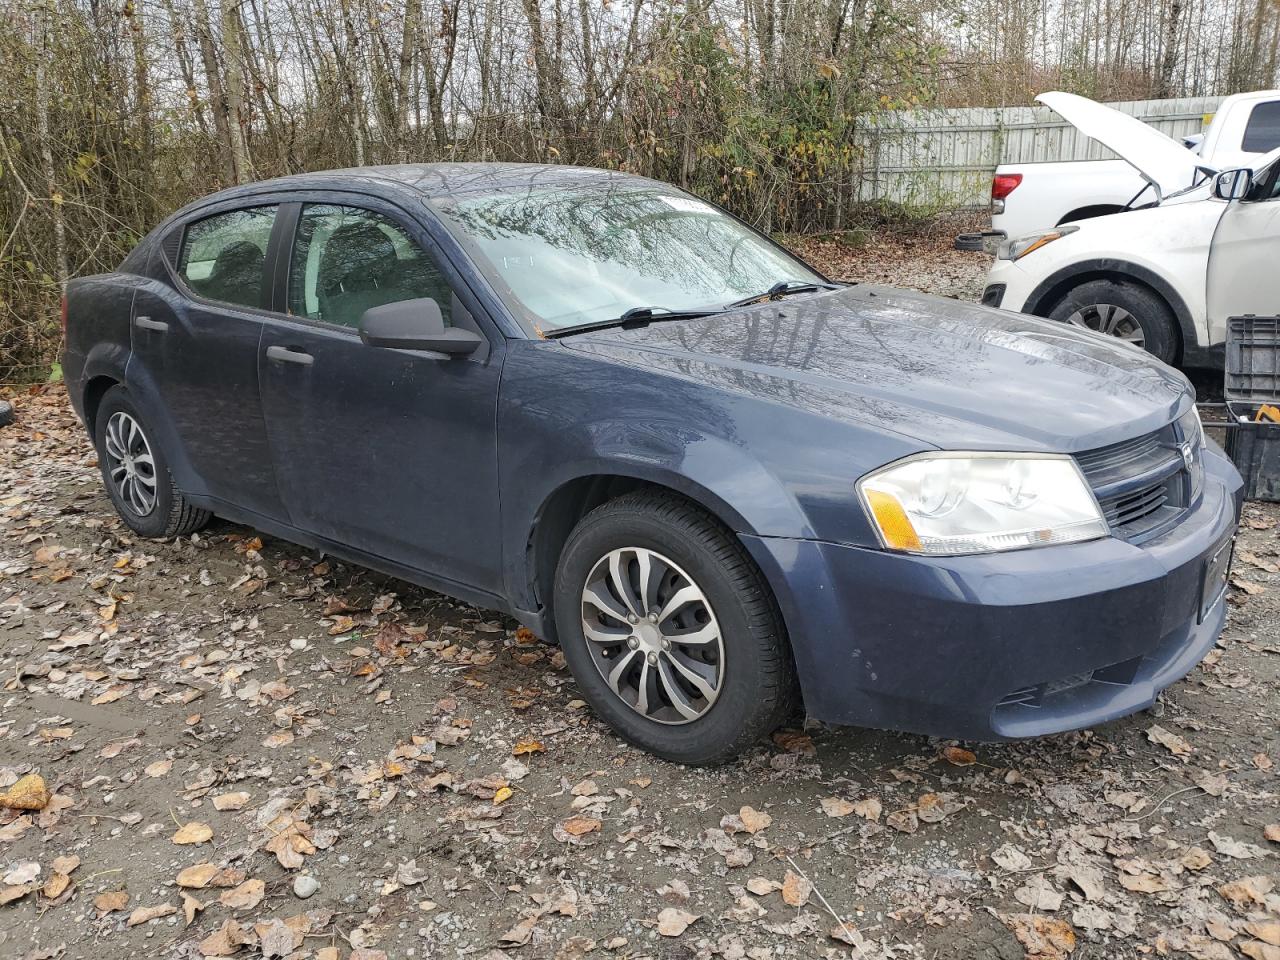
<point x="754" y="820"/>
<point x="868" y="809"/>
<point x="29" y="793"/>
<point x="193" y="832"/>
<point x="1272" y="832"/>
<point x="8" y="894"/>
<point x="521" y="933"/>
<point x="230" y="801"/>
<point x="1236" y="849"/>
<point x="226" y="940"/>
<point x="110" y="902"/>
<point x="190" y="907"/>
<point x="1170" y="741"/>
<point x="762" y="886"/>
<point x="1248" y="586"/>
<point x="244" y="897"/>
<point x="502" y="795"/>
<point x="158" y="769"/>
<point x="673" y="921"/>
<point x="579" y="826"/>
<point x="197" y="876"/>
<point x="959" y="756"/>
<point x="1247" y="891"/>
<point x="935" y="807"/>
<point x="795" y="889"/>
<point x="1043" y="938"/>
<point x="1257" y="950"/>
<point x="836" y="806"/>
<point x="794" y="741"/>
<point x="147" y="914"/>
<point x="527" y="746"/>
<point x="1266" y="930"/>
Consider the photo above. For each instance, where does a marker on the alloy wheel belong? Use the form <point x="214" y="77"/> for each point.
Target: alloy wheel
<point x="1113" y="320"/>
<point x="652" y="635"/>
<point x="130" y="464"/>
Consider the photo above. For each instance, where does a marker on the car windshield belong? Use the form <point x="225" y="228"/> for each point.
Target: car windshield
<point x="587" y="255"/>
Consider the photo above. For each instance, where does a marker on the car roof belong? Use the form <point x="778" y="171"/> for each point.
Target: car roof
<point x="435" y="180"/>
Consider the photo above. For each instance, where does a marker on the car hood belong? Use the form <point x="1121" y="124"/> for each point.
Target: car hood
<point x="1160" y="159"/>
<point x="947" y="374"/>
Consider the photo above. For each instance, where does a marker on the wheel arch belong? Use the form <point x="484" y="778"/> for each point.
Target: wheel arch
<point x="1090" y="211"/>
<point x="1050" y="292"/>
<point x="566" y="504"/>
<point x="94" y="390"/>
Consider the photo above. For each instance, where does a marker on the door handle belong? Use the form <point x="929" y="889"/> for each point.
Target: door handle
<point x="146" y="323"/>
<point x="289" y="356"/>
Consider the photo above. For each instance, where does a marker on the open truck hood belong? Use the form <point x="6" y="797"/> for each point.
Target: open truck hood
<point x="1164" y="162"/>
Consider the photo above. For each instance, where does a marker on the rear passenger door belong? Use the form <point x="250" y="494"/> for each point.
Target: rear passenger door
<point x="392" y="452"/>
<point x="195" y="346"/>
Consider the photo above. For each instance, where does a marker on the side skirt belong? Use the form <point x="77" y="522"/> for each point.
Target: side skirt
<point x="450" y="588"/>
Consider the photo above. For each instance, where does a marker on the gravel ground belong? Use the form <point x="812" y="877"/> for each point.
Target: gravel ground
<point x="226" y="723"/>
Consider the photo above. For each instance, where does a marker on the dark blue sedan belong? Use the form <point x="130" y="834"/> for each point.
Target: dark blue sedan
<point x="723" y="484"/>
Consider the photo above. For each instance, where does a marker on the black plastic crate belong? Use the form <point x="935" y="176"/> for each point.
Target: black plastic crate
<point x="1251" y="378"/>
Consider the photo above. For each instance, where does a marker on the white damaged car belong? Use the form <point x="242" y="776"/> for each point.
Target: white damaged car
<point x="1164" y="277"/>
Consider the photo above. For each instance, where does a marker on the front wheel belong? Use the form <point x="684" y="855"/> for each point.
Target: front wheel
<point x="671" y="631"/>
<point x="1122" y="310"/>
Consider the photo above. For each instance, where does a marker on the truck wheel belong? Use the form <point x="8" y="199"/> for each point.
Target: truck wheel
<point x="1122" y="310"/>
<point x="136" y="473"/>
<point x="671" y="631"/>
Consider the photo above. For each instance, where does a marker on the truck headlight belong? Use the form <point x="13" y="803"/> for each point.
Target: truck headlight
<point x="953" y="503"/>
<point x="1019" y="247"/>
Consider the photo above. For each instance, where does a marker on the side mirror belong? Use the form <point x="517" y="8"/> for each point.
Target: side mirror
<point x="414" y="325"/>
<point x="1233" y="184"/>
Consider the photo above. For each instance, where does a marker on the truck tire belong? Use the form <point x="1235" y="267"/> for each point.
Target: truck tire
<point x="1127" y="311"/>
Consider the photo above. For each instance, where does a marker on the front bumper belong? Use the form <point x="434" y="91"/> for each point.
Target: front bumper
<point x="1015" y="283"/>
<point x="1007" y="645"/>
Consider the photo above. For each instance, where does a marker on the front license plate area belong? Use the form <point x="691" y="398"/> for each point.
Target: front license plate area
<point x="1214" y="584"/>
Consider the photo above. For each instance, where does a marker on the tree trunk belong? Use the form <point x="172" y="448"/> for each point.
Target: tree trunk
<point x="46" y="150"/>
<point x="232" y="45"/>
<point x="217" y="98"/>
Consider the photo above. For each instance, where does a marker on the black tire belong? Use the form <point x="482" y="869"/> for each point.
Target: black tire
<point x="171" y="515"/>
<point x="758" y="689"/>
<point x="1159" y="328"/>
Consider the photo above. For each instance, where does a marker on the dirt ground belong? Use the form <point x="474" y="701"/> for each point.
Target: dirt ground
<point x="228" y="722"/>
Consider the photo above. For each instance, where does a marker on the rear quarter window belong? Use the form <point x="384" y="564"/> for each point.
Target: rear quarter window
<point x="222" y="257"/>
<point x="1262" y="134"/>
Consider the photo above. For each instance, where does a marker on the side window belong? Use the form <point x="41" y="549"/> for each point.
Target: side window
<point x="1262" y="134"/>
<point x="346" y="260"/>
<point x="222" y="257"/>
<point x="1267" y="186"/>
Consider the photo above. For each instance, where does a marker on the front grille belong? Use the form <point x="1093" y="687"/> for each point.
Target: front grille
<point x="1122" y="460"/>
<point x="1133" y="507"/>
<point x="1142" y="484"/>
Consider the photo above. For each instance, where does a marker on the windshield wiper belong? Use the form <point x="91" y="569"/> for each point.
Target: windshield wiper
<point x="781" y="289"/>
<point x="635" y="317"/>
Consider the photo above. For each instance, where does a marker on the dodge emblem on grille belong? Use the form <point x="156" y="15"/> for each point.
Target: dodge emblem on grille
<point x="1188" y="455"/>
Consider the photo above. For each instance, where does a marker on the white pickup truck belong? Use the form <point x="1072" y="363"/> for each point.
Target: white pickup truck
<point x="1026" y="197"/>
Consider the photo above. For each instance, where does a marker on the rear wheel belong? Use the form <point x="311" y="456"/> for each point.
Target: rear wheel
<point x="136" y="473"/>
<point x="1124" y="311"/>
<point x="671" y="631"/>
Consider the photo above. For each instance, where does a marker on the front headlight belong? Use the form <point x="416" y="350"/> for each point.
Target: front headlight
<point x="951" y="503"/>
<point x="1019" y="247"/>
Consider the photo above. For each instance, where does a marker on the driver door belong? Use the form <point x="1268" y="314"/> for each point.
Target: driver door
<point x="1243" y="257"/>
<point x="392" y="452"/>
